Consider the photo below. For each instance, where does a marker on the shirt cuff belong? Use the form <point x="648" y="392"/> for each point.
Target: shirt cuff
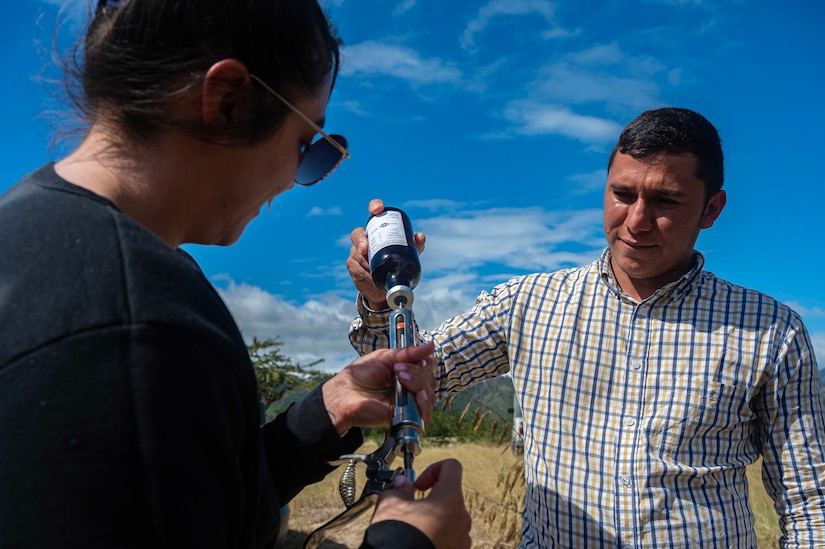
<point x="309" y="422"/>
<point x="395" y="534"/>
<point x="372" y="318"/>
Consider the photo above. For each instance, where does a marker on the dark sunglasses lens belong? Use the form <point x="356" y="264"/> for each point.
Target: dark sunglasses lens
<point x="320" y="160"/>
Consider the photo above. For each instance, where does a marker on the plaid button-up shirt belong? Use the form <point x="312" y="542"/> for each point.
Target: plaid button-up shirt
<point x="640" y="418"/>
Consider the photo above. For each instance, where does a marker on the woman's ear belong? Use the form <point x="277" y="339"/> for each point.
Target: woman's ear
<point x="222" y="99"/>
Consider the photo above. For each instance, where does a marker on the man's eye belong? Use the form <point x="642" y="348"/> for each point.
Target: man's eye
<point x="667" y="202"/>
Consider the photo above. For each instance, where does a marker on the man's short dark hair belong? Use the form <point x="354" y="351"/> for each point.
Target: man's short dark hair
<point x="676" y="131"/>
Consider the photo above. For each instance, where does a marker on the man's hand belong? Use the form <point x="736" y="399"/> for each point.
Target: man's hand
<point x="358" y="263"/>
<point x="363" y="393"/>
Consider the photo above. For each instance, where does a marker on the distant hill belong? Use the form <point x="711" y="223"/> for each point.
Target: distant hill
<point x="496" y="394"/>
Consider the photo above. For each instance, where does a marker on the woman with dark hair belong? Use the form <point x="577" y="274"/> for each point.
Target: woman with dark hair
<point x="129" y="413"/>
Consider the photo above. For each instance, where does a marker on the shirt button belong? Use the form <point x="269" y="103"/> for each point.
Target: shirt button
<point x="636" y="363"/>
<point x="625" y="481"/>
<point x="627" y="546"/>
<point x="630" y="422"/>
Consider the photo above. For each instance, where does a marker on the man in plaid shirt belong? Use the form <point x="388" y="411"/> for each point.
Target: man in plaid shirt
<point x="647" y="383"/>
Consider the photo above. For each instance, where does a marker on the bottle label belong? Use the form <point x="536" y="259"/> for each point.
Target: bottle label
<point x="385" y="229"/>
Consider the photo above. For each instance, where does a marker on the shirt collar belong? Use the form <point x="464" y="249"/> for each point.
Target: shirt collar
<point x="677" y="286"/>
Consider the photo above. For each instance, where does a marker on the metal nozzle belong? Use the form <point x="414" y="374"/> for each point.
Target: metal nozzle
<point x="400" y="297"/>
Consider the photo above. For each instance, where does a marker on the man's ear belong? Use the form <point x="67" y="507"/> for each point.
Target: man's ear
<point x="222" y="98"/>
<point x="713" y="209"/>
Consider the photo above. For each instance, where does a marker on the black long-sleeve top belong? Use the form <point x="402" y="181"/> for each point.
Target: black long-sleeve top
<point x="129" y="414"/>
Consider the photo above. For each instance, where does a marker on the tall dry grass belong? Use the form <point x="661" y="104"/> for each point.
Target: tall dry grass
<point x="493" y="489"/>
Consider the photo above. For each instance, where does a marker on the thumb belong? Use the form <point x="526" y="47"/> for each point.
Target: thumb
<point x="414" y="354"/>
<point x="376" y="206"/>
<point x="402" y="487"/>
<point x="442" y="477"/>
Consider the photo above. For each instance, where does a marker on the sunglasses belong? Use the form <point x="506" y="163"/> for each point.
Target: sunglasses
<point x="322" y="157"/>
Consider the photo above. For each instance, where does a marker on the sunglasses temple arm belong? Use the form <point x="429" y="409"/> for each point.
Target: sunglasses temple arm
<point x="307" y="119"/>
<point x="335" y="144"/>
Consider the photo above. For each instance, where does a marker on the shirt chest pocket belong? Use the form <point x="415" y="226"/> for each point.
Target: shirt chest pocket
<point x="700" y="423"/>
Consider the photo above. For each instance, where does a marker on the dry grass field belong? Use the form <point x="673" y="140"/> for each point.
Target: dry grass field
<point x="494" y="521"/>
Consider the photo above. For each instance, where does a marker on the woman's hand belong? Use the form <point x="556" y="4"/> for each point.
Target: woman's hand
<point x="442" y="515"/>
<point x="363" y="393"/>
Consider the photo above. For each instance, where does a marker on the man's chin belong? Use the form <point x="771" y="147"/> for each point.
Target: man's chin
<point x="632" y="266"/>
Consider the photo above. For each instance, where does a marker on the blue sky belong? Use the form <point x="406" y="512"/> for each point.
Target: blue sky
<point x="490" y="123"/>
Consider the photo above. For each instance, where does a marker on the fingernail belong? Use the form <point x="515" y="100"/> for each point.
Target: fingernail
<point x="398" y="481"/>
<point x="403" y="371"/>
<point x="422" y="394"/>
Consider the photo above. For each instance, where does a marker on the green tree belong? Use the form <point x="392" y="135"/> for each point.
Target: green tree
<point x="280" y="382"/>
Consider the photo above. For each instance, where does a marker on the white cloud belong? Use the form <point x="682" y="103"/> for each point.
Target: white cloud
<point x="440" y="298"/>
<point x="806" y="312"/>
<point x="354" y="107"/>
<point x="812" y="315"/>
<point x="78" y="6"/>
<point x="318" y="211"/>
<point x="536" y="118"/>
<point x="600" y="54"/>
<point x="435" y="204"/>
<point x="316" y="329"/>
<point x="568" y="92"/>
<point x="561" y="98"/>
<point x="521" y="239"/>
<point x="403" y="7"/>
<point x="588" y="182"/>
<point x="459" y="248"/>
<point x="674" y="77"/>
<point x="818" y="340"/>
<point x="378" y="59"/>
<point x="73" y="13"/>
<point x="497" y="8"/>
<point x="478" y="82"/>
<point x="463" y="242"/>
<point x="603" y="74"/>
